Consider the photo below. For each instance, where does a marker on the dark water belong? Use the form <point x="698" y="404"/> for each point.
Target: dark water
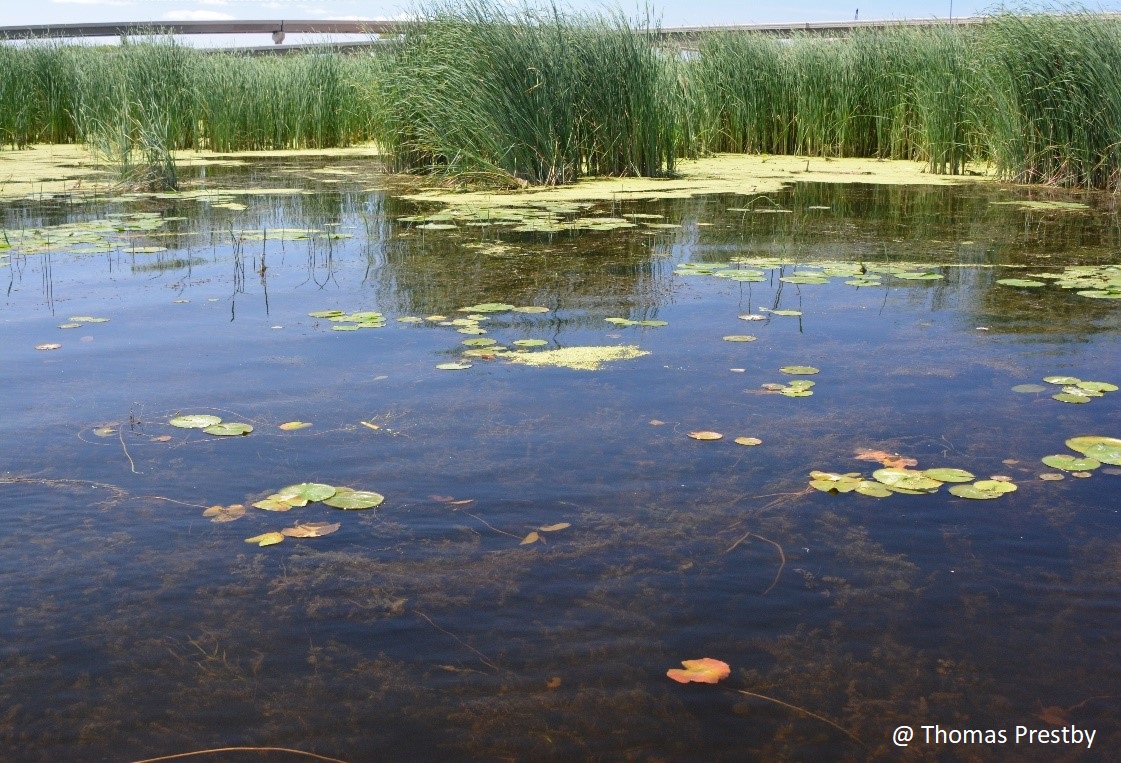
<point x="131" y="626"/>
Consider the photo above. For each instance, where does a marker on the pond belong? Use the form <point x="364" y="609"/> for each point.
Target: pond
<point x="552" y="539"/>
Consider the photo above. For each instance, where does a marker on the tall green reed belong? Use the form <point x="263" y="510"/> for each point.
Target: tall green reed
<point x="479" y="90"/>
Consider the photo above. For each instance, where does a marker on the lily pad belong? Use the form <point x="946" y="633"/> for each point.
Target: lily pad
<point x="1085" y="442"/>
<point x="310" y="491"/>
<point x="1071" y="463"/>
<point x="1107" y="454"/>
<point x="800" y="370"/>
<point x="1095" y="386"/>
<point x="906" y="479"/>
<point x="1063" y="380"/>
<point x="1067" y="397"/>
<point x="531" y="309"/>
<point x="266" y="539"/>
<point x="354" y="500"/>
<point x="1027" y="283"/>
<point x="292" y="426"/>
<point x="1028" y="388"/>
<point x="786" y="312"/>
<point x="195" y="421"/>
<point x="229" y="429"/>
<point x="705" y="435"/>
<point x="530" y="342"/>
<point x="748" y="441"/>
<point x="795" y="392"/>
<point x="453" y="366"/>
<point x="949" y="475"/>
<point x="479" y="342"/>
<point x="311" y="530"/>
<point x="739" y="338"/>
<point x="976" y="493"/>
<point x="873" y="489"/>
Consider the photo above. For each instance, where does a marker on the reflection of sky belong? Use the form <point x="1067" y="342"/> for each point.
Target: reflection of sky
<point x="671" y="12"/>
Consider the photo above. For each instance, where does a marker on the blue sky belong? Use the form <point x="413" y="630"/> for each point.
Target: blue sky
<point x="672" y="12"/>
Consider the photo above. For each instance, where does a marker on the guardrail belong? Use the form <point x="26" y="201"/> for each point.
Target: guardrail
<point x="279" y="28"/>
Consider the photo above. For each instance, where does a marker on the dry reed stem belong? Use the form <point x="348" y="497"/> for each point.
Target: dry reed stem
<point x="802" y="710"/>
<point x="217" y="750"/>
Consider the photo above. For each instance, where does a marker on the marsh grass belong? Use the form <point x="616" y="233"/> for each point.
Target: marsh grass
<point x="476" y="91"/>
<point x="529" y="96"/>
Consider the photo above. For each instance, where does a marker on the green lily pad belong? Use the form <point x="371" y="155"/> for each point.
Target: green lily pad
<point x="804" y="279"/>
<point x="1084" y="443"/>
<point x="795" y="392"/>
<point x="739" y="338"/>
<point x="829" y="482"/>
<point x="800" y="370"/>
<point x="1094" y="386"/>
<point x="906" y="479"/>
<point x="1028" y="388"/>
<point x="327" y="314"/>
<point x="479" y="342"/>
<point x="949" y="475"/>
<point x="918" y="276"/>
<point x="786" y="312"/>
<point x="1064" y="380"/>
<point x="1070" y="463"/>
<point x="353" y="500"/>
<point x="309" y="491"/>
<point x="194" y="421"/>
<point x="410" y="319"/>
<point x="488" y="307"/>
<point x="229" y="429"/>
<point x="453" y="366"/>
<point x="996" y="486"/>
<point x="1066" y="397"/>
<point x="801" y="384"/>
<point x="1105" y="453"/>
<point x="653" y="323"/>
<point x="529" y="342"/>
<point x="873" y="489"/>
<point x="1021" y="282"/>
<point x="978" y="493"/>
<point x="531" y="309"/>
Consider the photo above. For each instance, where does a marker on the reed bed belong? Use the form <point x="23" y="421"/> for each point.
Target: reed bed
<point x="478" y="91"/>
<point x="529" y="96"/>
<point x="64" y="93"/>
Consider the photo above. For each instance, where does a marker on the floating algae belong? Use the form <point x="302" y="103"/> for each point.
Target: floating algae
<point x="579" y="358"/>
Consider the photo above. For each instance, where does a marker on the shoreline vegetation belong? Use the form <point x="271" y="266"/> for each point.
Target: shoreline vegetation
<point x="475" y="94"/>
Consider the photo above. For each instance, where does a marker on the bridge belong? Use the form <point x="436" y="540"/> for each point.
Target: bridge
<point x="682" y="37"/>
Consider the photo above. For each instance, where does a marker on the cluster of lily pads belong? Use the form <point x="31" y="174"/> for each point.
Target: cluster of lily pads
<point x="890" y="480"/>
<point x="211" y="425"/>
<point x="629" y="322"/>
<point x="77" y="321"/>
<point x="538" y="218"/>
<point x="366" y="319"/>
<point x="1076" y="390"/>
<point x="295" y="496"/>
<point x="1094" y="451"/>
<point x="89" y="237"/>
<point x="301" y="495"/>
<point x="759" y="269"/>
<point x="1094" y="281"/>
<point x="798" y="387"/>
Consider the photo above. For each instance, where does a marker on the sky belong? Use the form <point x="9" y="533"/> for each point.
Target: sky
<point x="671" y="12"/>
